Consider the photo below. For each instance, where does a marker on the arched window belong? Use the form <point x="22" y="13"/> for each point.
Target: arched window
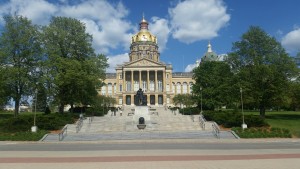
<point x="109" y="89"/>
<point x="103" y="90"/>
<point x="178" y="85"/>
<point x="191" y="87"/>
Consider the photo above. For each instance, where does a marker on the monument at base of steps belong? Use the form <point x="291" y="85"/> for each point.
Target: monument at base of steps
<point x="141" y="108"/>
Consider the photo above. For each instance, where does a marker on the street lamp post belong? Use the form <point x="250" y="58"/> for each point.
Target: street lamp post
<point x="201" y="98"/>
<point x="243" y="125"/>
<point x="34" y="127"/>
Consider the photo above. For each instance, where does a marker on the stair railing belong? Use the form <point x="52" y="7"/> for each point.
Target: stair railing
<point x="63" y="133"/>
<point x="79" y="124"/>
<point x="216" y="129"/>
<point x="202" y="121"/>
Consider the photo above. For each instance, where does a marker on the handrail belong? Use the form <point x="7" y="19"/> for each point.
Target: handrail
<point x="63" y="133"/>
<point x="216" y="129"/>
<point x="79" y="124"/>
<point x="91" y="118"/>
<point x="202" y="121"/>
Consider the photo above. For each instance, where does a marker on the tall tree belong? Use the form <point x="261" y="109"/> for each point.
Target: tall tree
<point x="216" y="81"/>
<point x="263" y="67"/>
<point x="75" y="70"/>
<point x="20" y="53"/>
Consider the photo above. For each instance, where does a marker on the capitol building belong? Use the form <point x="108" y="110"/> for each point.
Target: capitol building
<point x="145" y="70"/>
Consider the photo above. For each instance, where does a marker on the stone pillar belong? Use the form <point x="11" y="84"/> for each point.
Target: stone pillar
<point x="156" y="99"/>
<point x="124" y="81"/>
<point x="140" y="79"/>
<point x="112" y="89"/>
<point x="132" y="80"/>
<point x="181" y="88"/>
<point x="155" y="83"/>
<point x="188" y="88"/>
<point x="148" y="81"/>
<point x="175" y="88"/>
<point x="164" y="81"/>
<point x="132" y="99"/>
<point x="124" y="100"/>
<point x="148" y="99"/>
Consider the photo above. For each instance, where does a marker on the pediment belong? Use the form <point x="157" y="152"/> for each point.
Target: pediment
<point x="143" y="62"/>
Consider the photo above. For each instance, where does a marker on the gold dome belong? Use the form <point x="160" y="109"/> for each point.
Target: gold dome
<point x="143" y="35"/>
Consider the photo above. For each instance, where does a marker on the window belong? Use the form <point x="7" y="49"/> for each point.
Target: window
<point x="109" y="89"/>
<point x="151" y="85"/>
<point x="144" y="86"/>
<point x="191" y="87"/>
<point x="173" y="87"/>
<point x="178" y="88"/>
<point x="136" y="86"/>
<point x="128" y="86"/>
<point x="121" y="87"/>
<point x="115" y="88"/>
<point x="120" y="76"/>
<point x="103" y="90"/>
<point x="160" y="88"/>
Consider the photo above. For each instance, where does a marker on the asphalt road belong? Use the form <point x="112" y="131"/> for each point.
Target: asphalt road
<point x="173" y="145"/>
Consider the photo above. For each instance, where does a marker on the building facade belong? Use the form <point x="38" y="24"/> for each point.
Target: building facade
<point x="145" y="70"/>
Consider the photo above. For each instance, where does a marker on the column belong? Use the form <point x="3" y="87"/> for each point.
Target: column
<point x="155" y="82"/>
<point x="175" y="88"/>
<point x="188" y="88"/>
<point x="132" y="80"/>
<point x="181" y="88"/>
<point x="164" y="81"/>
<point x="113" y="89"/>
<point x="140" y="79"/>
<point x="148" y="99"/>
<point x="124" y="99"/>
<point x="148" y="81"/>
<point x="156" y="99"/>
<point x="132" y="99"/>
<point x="124" y="81"/>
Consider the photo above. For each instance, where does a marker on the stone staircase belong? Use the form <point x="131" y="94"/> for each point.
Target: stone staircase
<point x="123" y="125"/>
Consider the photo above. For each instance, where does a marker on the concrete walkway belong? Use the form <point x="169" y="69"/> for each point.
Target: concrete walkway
<point x="154" y="159"/>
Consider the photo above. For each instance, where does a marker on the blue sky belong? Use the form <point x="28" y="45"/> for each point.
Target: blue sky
<point x="183" y="27"/>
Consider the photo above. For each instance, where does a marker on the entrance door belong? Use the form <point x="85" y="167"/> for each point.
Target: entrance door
<point x="128" y="100"/>
<point x="160" y="99"/>
<point x="152" y="99"/>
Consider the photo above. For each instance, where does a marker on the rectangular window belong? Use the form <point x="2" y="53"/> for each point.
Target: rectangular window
<point x="120" y="76"/>
<point x="121" y="87"/>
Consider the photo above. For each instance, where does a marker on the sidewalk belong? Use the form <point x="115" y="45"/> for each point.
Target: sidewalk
<point x="153" y="159"/>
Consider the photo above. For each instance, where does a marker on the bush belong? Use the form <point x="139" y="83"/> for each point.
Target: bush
<point x="43" y="121"/>
<point x="233" y="119"/>
<point x="189" y="111"/>
<point x="262" y="132"/>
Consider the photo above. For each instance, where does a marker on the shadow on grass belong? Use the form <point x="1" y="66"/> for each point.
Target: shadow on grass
<point x="284" y="116"/>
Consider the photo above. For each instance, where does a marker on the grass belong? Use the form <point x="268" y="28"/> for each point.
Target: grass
<point x="283" y="119"/>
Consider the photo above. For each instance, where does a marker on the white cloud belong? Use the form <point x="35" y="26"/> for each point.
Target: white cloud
<point x="105" y="21"/>
<point x="190" y="67"/>
<point x="159" y="27"/>
<point x="39" y="11"/>
<point x="291" y="41"/>
<point x="113" y="61"/>
<point x="194" y="20"/>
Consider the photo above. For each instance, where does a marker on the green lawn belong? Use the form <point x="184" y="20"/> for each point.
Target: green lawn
<point x="283" y="119"/>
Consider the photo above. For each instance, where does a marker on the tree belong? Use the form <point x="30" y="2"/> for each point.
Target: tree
<point x="216" y="81"/>
<point x="184" y="99"/>
<point x="263" y="67"/>
<point x="20" y="53"/>
<point x="74" y="68"/>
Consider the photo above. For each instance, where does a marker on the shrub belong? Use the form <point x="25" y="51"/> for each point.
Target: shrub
<point x="189" y="111"/>
<point x="233" y="119"/>
<point x="23" y="136"/>
<point x="262" y="132"/>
